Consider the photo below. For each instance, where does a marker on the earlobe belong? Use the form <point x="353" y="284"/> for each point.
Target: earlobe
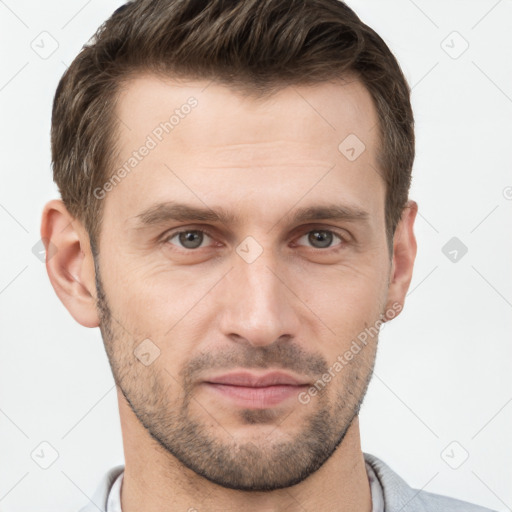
<point x="69" y="262"/>
<point x="404" y="255"/>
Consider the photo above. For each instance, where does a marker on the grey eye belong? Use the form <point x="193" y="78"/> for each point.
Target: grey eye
<point x="189" y="239"/>
<point x="321" y="238"/>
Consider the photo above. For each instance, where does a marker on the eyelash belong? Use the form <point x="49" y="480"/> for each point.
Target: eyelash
<point x="172" y="234"/>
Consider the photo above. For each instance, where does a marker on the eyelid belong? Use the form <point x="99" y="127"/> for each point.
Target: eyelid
<point x="302" y="230"/>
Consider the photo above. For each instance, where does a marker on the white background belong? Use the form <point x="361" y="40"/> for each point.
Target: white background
<point x="443" y="371"/>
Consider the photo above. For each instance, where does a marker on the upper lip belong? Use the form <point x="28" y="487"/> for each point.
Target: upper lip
<point x="243" y="378"/>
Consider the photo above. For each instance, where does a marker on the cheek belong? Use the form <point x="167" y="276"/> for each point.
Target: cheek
<point x="347" y="300"/>
<point x="158" y="300"/>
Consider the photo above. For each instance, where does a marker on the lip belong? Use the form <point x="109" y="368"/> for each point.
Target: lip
<point x="253" y="391"/>
<point x="247" y="379"/>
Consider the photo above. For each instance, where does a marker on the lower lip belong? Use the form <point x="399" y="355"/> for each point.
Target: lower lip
<point x="256" y="398"/>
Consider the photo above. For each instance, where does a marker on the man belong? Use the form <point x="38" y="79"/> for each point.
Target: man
<point x="235" y="219"/>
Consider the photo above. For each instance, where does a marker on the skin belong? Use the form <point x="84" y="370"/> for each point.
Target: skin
<point x="297" y="307"/>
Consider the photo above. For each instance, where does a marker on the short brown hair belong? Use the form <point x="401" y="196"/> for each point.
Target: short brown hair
<point x="256" y="46"/>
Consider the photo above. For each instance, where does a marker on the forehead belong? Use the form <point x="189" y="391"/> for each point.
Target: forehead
<point x="328" y="109"/>
<point x="214" y="144"/>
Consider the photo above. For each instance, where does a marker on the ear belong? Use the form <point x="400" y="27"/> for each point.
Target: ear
<point x="404" y="254"/>
<point x="69" y="262"/>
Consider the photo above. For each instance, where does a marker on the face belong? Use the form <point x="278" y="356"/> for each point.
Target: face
<point x="240" y="257"/>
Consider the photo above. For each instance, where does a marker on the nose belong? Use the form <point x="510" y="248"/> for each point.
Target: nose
<point x="259" y="303"/>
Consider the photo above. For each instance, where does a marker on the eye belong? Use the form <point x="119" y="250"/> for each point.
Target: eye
<point x="189" y="238"/>
<point x="322" y="238"/>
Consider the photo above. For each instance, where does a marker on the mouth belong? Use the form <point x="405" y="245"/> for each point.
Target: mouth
<point x="256" y="391"/>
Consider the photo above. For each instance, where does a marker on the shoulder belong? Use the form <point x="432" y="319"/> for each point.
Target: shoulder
<point x="99" y="500"/>
<point x="398" y="496"/>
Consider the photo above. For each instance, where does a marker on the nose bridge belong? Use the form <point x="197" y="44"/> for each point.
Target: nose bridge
<point x="261" y="283"/>
<point x="257" y="302"/>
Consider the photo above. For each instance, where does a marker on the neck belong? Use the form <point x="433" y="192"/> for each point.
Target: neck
<point x="155" y="481"/>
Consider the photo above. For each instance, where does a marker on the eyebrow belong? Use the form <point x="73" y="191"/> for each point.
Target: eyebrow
<point x="180" y="212"/>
